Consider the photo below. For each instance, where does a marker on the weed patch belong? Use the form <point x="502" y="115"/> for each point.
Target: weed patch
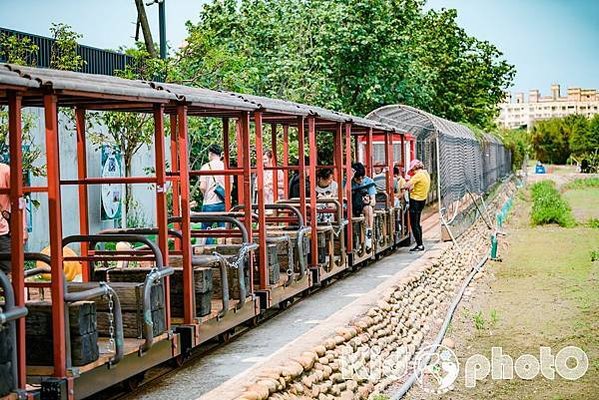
<point x="583" y="183"/>
<point x="549" y="207"/>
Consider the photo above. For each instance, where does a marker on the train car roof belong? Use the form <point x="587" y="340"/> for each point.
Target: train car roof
<point x="76" y="88"/>
<point x="417" y="122"/>
<point x="10" y="79"/>
<point x="205" y="98"/>
<point x="106" y="92"/>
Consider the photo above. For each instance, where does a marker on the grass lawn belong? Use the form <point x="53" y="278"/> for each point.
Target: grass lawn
<point x="584" y="203"/>
<point x="544" y="293"/>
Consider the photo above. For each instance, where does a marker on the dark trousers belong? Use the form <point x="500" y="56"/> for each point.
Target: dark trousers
<point x="5" y="248"/>
<point x="416" y="207"/>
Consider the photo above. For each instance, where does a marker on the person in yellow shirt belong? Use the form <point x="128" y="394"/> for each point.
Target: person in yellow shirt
<point x="419" y="185"/>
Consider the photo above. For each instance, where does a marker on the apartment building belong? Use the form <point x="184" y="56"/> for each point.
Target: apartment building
<point x="516" y="112"/>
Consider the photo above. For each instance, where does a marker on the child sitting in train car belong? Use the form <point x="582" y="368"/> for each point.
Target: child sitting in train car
<point x="363" y="199"/>
<point x="399" y="183"/>
<point x="326" y="187"/>
<point x="380" y="178"/>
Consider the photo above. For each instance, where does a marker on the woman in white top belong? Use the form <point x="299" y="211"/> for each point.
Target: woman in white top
<point x="326" y="187"/>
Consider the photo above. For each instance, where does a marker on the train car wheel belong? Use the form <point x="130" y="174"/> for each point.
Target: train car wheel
<point x="179" y="361"/>
<point x="284" y="304"/>
<point x="225" y="337"/>
<point x="133" y="382"/>
<point x="254" y="322"/>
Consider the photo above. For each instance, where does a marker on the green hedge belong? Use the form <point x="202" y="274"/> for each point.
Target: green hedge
<point x="549" y="207"/>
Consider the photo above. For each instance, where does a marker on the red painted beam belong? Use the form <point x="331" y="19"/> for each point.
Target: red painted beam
<point x="55" y="234"/>
<point x="16" y="225"/>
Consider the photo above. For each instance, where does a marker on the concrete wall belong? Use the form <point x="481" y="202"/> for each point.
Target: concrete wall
<point x="143" y="193"/>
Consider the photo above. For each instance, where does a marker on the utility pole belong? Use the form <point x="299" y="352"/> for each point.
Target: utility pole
<point x="162" y="23"/>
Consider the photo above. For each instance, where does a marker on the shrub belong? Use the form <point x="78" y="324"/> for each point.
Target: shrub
<point x="548" y="206"/>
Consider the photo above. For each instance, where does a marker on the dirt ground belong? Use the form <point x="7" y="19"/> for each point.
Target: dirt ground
<point x="545" y="292"/>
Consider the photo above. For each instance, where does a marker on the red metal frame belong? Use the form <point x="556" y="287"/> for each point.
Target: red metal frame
<point x="16" y="224"/>
<point x="389" y="163"/>
<point x="161" y="206"/>
<point x="301" y="154"/>
<point x="338" y="160"/>
<point x="262" y="249"/>
<point x="183" y="165"/>
<point x="286" y="160"/>
<point x="55" y="234"/>
<point x="82" y="188"/>
<point x="313" y="211"/>
<point x="273" y="147"/>
<point x="369" y="154"/>
<point x="348" y="175"/>
<point x="227" y="162"/>
<point x="175" y="173"/>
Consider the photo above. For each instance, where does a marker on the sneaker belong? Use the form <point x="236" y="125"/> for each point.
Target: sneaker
<point x="417" y="248"/>
<point x="368" y="242"/>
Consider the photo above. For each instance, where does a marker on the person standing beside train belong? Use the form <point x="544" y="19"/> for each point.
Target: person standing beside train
<point x="213" y="186"/>
<point x="418" y="186"/>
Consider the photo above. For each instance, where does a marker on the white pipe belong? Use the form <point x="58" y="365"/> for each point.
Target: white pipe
<point x="410" y="382"/>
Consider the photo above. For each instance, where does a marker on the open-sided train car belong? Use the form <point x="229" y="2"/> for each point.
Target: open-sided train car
<point x="165" y="293"/>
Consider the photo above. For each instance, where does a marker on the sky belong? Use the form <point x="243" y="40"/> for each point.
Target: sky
<point x="549" y="41"/>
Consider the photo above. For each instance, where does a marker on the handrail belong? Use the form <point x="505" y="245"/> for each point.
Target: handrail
<point x="280" y="205"/>
<point x="140" y="231"/>
<point x="217" y="217"/>
<point x="301" y="231"/>
<point x="9" y="315"/>
<point x="71" y="297"/>
<point x="160" y="272"/>
<point x="109" y="238"/>
<point x="246" y="247"/>
<point x="151" y="279"/>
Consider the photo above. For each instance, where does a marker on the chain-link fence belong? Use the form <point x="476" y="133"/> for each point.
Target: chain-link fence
<point x="465" y="168"/>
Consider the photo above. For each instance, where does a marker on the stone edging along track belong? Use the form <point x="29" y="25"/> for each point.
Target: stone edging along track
<point x="403" y="314"/>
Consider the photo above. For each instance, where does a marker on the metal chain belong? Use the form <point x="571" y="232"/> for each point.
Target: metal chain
<point x="238" y="260"/>
<point x="110" y="345"/>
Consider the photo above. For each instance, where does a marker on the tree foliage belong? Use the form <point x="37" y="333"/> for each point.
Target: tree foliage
<point x="349" y="55"/>
<point x="64" y="49"/>
<point x="15" y="50"/>
<point x="22" y="52"/>
<point x="554" y="140"/>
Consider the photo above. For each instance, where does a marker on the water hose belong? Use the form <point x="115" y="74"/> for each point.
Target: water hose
<point x="410" y="382"/>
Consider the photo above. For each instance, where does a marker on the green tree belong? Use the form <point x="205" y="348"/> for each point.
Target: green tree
<point x="349" y="55"/>
<point x="551" y="138"/>
<point x="518" y="141"/>
<point x="585" y="138"/>
<point x="22" y="52"/>
<point x="64" y="49"/>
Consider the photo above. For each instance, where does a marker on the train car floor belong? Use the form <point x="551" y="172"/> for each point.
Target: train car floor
<point x="207" y="372"/>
